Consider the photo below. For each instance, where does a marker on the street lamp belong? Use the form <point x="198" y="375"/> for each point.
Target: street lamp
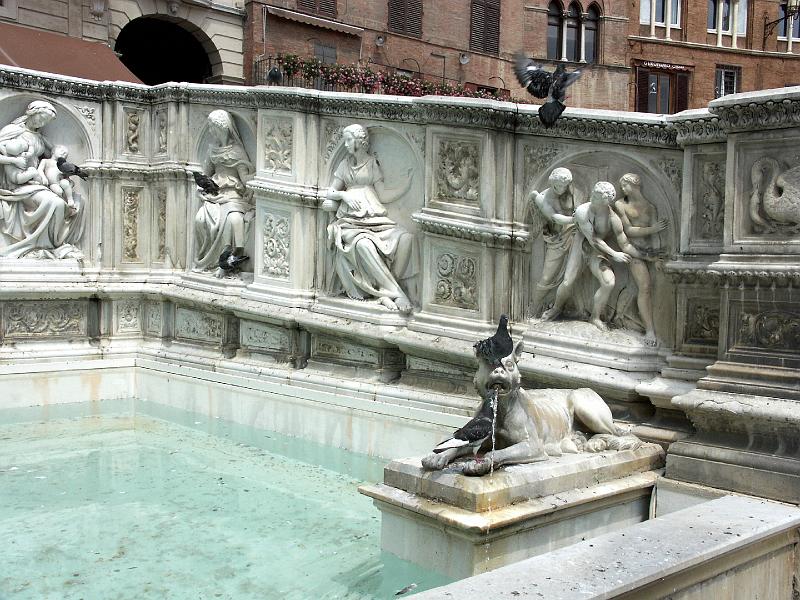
<point x="792" y="13"/>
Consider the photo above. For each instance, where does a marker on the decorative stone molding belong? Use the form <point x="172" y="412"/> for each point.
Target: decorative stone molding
<point x="198" y="326"/>
<point x="261" y="336"/>
<point x="324" y="347"/>
<point x="500" y="236"/>
<point x="278" y="140"/>
<point x="730" y="276"/>
<point x="161" y="132"/>
<point x="702" y="322"/>
<point x="535" y="158"/>
<point x="706" y="130"/>
<point x="88" y="113"/>
<point x="161" y="224"/>
<point x="130" y="224"/>
<point x="132" y="122"/>
<point x="333" y="135"/>
<point x="129" y="316"/>
<point x="771" y="329"/>
<point x="458" y="172"/>
<point x="610" y="132"/>
<point x="456" y="281"/>
<point x="153" y="318"/>
<point x="673" y="171"/>
<point x="304" y="196"/>
<point x="42" y="318"/>
<point x="707" y="220"/>
<point x="277" y="241"/>
<point x="758" y="115"/>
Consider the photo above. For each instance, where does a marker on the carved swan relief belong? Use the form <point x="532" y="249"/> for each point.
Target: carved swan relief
<point x="777" y="205"/>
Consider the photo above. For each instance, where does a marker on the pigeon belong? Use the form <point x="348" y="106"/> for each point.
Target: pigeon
<point x="205" y="183"/>
<point x="474" y="433"/>
<point x="405" y="590"/>
<point x="544" y="84"/>
<point x="68" y="169"/>
<point x="274" y="76"/>
<point x="230" y="260"/>
<point x="497" y="347"/>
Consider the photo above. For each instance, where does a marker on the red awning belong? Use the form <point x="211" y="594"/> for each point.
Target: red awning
<point x="55" y="53"/>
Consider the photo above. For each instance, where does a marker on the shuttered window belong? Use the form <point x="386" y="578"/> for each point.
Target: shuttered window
<point x="484" y="30"/>
<point x="662" y="92"/>
<point x="324" y="8"/>
<point x="405" y="17"/>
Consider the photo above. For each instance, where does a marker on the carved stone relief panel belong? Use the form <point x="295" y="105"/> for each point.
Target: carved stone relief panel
<point x="702" y="322"/>
<point x="333" y="135"/>
<point x="709" y="198"/>
<point x="132" y="132"/>
<point x="161" y="122"/>
<point x="774" y="200"/>
<point x="130" y="224"/>
<point x="88" y="113"/>
<point x="160" y="225"/>
<point x="277" y="241"/>
<point x="324" y="347"/>
<point x="535" y="159"/>
<point x="763" y="331"/>
<point x="278" y="141"/>
<point x="673" y="171"/>
<point x="456" y="280"/>
<point x="770" y="329"/>
<point x="198" y="326"/>
<point x="129" y="316"/>
<point x="153" y="318"/>
<point x="261" y="336"/>
<point x="457" y="177"/>
<point x="44" y="318"/>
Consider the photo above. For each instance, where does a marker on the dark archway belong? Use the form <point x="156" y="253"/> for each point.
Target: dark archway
<point x="157" y="51"/>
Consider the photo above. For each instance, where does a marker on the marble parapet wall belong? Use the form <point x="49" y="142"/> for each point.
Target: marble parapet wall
<point x="720" y="273"/>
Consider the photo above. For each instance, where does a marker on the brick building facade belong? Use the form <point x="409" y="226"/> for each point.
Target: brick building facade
<point x="630" y="61"/>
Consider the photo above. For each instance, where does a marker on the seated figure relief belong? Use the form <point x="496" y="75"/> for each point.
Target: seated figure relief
<point x="372" y="256"/>
<point x="41" y="215"/>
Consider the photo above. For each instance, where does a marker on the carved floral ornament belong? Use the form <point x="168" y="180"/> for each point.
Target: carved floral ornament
<point x="278" y="141"/>
<point x="44" y="318"/>
<point x="277" y="239"/>
<point x="130" y="224"/>
<point x="456" y="281"/>
<point x="685" y="273"/>
<point x="773" y="329"/>
<point x="708" y="220"/>
<point x="769" y="114"/>
<point x="458" y="171"/>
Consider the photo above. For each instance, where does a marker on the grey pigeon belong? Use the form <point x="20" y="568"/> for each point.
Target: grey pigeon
<point x="274" y="76"/>
<point x="205" y="183"/>
<point x="68" y="169"/>
<point x="544" y="84"/>
<point x="231" y="259"/>
<point x="474" y="433"/>
<point x="497" y="347"/>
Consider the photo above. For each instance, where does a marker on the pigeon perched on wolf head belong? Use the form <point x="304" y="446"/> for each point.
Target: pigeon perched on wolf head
<point x="544" y="84"/>
<point x="497" y="347"/>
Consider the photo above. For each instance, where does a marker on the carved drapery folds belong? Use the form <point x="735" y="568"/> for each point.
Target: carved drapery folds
<point x="457" y="172"/>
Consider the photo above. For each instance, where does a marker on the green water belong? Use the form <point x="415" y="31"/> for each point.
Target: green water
<point x="148" y="502"/>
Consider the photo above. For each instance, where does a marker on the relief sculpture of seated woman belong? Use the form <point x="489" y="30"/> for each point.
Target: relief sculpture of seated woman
<point x="373" y="257"/>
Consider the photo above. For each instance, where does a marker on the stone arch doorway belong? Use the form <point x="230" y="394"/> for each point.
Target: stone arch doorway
<point x="157" y="50"/>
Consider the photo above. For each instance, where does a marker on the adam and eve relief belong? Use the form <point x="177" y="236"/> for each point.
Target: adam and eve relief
<point x="613" y="235"/>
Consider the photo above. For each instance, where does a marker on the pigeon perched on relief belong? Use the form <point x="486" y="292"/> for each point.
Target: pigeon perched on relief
<point x="474" y="433"/>
<point x="69" y="169"/>
<point x="544" y="84"/>
<point x="497" y="347"/>
<point x="205" y="183"/>
<point x="274" y="76"/>
<point x="231" y="259"/>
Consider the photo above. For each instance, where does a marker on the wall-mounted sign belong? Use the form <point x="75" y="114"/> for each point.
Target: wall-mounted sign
<point x="650" y="64"/>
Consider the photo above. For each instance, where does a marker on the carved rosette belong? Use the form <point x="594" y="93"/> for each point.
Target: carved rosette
<point x="129" y="316"/>
<point x="278" y="138"/>
<point x="31" y="318"/>
<point x="130" y="224"/>
<point x="456" y="281"/>
<point x="161" y="224"/>
<point x="534" y="160"/>
<point x="708" y="220"/>
<point x="773" y="329"/>
<point x="277" y="238"/>
<point x="458" y="172"/>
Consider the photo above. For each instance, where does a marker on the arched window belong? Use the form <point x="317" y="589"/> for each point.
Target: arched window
<point x="591" y="38"/>
<point x="554" y="16"/>
<point x="573" y="33"/>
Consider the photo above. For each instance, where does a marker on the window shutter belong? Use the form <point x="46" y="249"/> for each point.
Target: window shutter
<point x="682" y="92"/>
<point x="397" y="10"/>
<point x="405" y="16"/>
<point x="492" y="32"/>
<point x="327" y="8"/>
<point x="477" y="26"/>
<point x="642" y="89"/>
<point x="307" y="5"/>
<point x="485" y="26"/>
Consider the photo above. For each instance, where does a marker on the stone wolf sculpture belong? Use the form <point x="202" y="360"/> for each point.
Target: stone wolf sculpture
<point x="532" y="426"/>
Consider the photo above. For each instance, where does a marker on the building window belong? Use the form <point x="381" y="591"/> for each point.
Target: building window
<point x="661" y="91"/>
<point x="591" y="26"/>
<point x="484" y="26"/>
<point x="405" y="17"/>
<point x="554" y="13"/>
<point x="726" y="80"/>
<point x="724" y="9"/>
<point x="783" y="25"/>
<point x="646" y="8"/>
<point x="573" y="33"/>
<point x="325" y="54"/>
<point x="325" y="8"/>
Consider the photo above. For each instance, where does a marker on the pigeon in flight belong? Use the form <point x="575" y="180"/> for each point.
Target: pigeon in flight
<point x="544" y="84"/>
<point x="205" y="183"/>
<point x="68" y="169"/>
<point x="474" y="433"/>
<point x="231" y="259"/>
<point x="497" y="347"/>
<point x="274" y="76"/>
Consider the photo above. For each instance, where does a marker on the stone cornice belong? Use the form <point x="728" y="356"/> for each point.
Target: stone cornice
<point x="721" y="274"/>
<point x="697" y="127"/>
<point x="770" y="109"/>
<point x="293" y="194"/>
<point x="495" y="235"/>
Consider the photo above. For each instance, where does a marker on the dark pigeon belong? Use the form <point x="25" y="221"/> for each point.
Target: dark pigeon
<point x="68" y="169"/>
<point x="205" y="183"/>
<point x="274" y="76"/>
<point x="497" y="347"/>
<point x="544" y="84"/>
<point x="230" y="260"/>
<point x="474" y="433"/>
